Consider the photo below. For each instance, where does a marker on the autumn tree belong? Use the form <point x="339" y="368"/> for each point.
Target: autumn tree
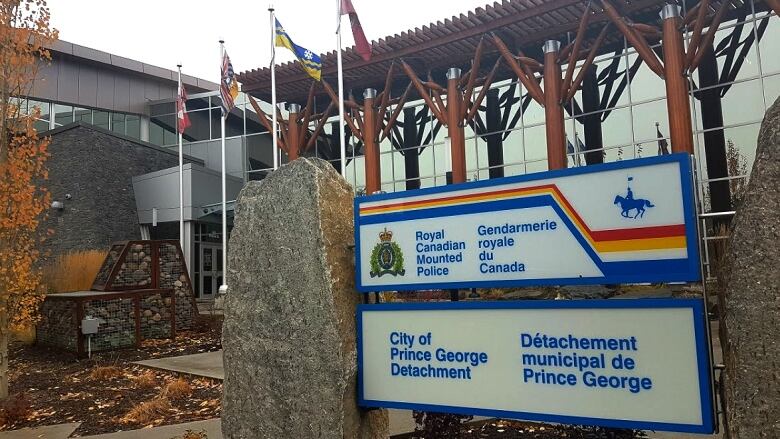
<point x="25" y="35"/>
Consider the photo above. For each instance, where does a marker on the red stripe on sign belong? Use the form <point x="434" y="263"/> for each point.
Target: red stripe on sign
<point x="639" y="233"/>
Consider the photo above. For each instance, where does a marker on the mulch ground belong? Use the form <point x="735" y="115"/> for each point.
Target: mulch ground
<point x="51" y="386"/>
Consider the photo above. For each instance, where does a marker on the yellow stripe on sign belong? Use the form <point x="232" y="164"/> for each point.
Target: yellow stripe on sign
<point x="641" y="244"/>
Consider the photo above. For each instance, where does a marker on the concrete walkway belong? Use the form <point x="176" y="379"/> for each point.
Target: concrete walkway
<point x="207" y="364"/>
<point x="212" y="427"/>
<point x="60" y="431"/>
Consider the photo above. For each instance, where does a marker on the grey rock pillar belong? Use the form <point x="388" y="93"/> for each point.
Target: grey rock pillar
<point x="750" y="323"/>
<point x="289" y="334"/>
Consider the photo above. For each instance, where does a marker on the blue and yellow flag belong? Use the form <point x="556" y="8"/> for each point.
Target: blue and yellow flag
<point x="309" y="60"/>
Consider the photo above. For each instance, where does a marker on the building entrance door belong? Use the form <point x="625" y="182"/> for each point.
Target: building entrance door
<point x="210" y="270"/>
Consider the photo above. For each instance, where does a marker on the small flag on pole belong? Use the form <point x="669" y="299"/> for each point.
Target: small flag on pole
<point x="228" y="87"/>
<point x="361" y="43"/>
<point x="183" y="119"/>
<point x="309" y="60"/>
<point x="663" y="145"/>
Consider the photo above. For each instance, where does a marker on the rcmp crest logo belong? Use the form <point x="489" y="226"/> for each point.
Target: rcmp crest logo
<point x="387" y="258"/>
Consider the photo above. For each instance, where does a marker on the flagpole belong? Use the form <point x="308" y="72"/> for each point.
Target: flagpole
<point x="223" y="288"/>
<point x="274" y="135"/>
<point x="342" y="145"/>
<point x="181" y="169"/>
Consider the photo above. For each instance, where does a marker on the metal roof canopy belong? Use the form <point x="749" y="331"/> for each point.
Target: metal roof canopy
<point x="523" y="24"/>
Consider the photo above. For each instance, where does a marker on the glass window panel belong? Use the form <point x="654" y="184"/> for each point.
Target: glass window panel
<point x="118" y="123"/>
<point x="63" y="114"/>
<point x="535" y="140"/>
<point x="744" y="102"/>
<point x="534" y="114"/>
<point x="646" y="116"/>
<point x="216" y="128"/>
<point x="43" y="107"/>
<point x="164" y="128"/>
<point x="616" y="129"/>
<point x="156" y="135"/>
<point x="645" y="84"/>
<point x="743" y="141"/>
<point x="100" y="119"/>
<point x="162" y="108"/>
<point x="133" y="126"/>
<point x="536" y="166"/>
<point x="513" y="147"/>
<point x="234" y="125"/>
<point x="731" y="36"/>
<point x="514" y="170"/>
<point x="616" y="80"/>
<point x="771" y="88"/>
<point x="41" y="125"/>
<point x="83" y="115"/>
<point x="199" y="126"/>
<point x="770" y="62"/>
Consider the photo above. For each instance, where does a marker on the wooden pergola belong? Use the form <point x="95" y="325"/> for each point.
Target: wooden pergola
<point x="513" y="39"/>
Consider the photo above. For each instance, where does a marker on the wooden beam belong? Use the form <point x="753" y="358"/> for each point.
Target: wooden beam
<point x="553" y="111"/>
<point x="775" y="5"/>
<point x="529" y="83"/>
<point x="370" y="146"/>
<point x="641" y="46"/>
<point x="322" y="121"/>
<point x="423" y="93"/>
<point x="474" y="72"/>
<point x="677" y="98"/>
<point x="698" y="27"/>
<point x="575" y="51"/>
<point x="265" y="122"/>
<point x="385" y="96"/>
<point x="455" y="131"/>
<point x="482" y="92"/>
<point x="394" y="115"/>
<point x="710" y="37"/>
<point x="584" y="68"/>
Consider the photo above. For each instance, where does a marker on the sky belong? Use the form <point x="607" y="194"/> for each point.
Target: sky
<point x="165" y="33"/>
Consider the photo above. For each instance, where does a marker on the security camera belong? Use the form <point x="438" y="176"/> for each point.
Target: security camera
<point x="57" y="205"/>
<point x="68" y="196"/>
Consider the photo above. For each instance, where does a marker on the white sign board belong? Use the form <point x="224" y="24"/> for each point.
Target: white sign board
<point x="641" y="364"/>
<point x="629" y="221"/>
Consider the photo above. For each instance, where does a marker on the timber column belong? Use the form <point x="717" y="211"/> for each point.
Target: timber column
<point x="293" y="132"/>
<point x="370" y="149"/>
<point x="455" y="126"/>
<point x="677" y="103"/>
<point x="553" y="111"/>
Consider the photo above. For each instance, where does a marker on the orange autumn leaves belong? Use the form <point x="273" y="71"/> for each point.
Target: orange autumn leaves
<point x="25" y="34"/>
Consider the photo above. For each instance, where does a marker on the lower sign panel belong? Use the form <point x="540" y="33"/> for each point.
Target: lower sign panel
<point x="641" y="364"/>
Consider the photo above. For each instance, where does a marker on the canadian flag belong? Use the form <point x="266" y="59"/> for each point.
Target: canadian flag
<point x="183" y="119"/>
<point x="361" y="43"/>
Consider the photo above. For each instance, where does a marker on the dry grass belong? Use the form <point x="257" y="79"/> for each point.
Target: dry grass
<point x="73" y="271"/>
<point x="177" y="389"/>
<point x="101" y="373"/>
<point x="147" y="380"/>
<point x="146" y="412"/>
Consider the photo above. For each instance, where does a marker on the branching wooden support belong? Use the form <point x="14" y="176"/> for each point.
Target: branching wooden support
<point x="677" y="63"/>
<point x="368" y="124"/>
<point x="775" y="5"/>
<point x="295" y="137"/>
<point x="459" y="109"/>
<point x="557" y="91"/>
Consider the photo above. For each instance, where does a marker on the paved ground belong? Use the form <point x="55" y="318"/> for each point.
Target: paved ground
<point x="212" y="427"/>
<point x="208" y="364"/>
<point x="61" y="431"/>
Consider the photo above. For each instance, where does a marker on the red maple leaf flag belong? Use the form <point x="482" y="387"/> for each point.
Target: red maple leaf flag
<point x="361" y="43"/>
<point x="181" y="110"/>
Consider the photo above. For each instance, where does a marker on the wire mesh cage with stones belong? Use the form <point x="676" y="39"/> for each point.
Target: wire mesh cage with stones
<point x="117" y="328"/>
<point x="57" y="324"/>
<point x="156" y="316"/>
<point x="172" y="275"/>
<point x="136" y="269"/>
<point x="108" y="264"/>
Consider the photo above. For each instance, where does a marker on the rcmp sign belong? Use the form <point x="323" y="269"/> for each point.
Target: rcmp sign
<point x="629" y="221"/>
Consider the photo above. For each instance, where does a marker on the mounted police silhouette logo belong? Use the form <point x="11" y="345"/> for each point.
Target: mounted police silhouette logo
<point x="387" y="258"/>
<point x="629" y="203"/>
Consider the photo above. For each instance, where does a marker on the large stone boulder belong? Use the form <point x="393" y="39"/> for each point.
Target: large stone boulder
<point x="289" y="334"/>
<point x="750" y="324"/>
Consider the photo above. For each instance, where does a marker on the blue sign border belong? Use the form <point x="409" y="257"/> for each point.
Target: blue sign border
<point x="702" y="359"/>
<point x="658" y="271"/>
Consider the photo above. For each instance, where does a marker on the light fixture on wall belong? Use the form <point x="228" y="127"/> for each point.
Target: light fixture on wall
<point x="57" y="205"/>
